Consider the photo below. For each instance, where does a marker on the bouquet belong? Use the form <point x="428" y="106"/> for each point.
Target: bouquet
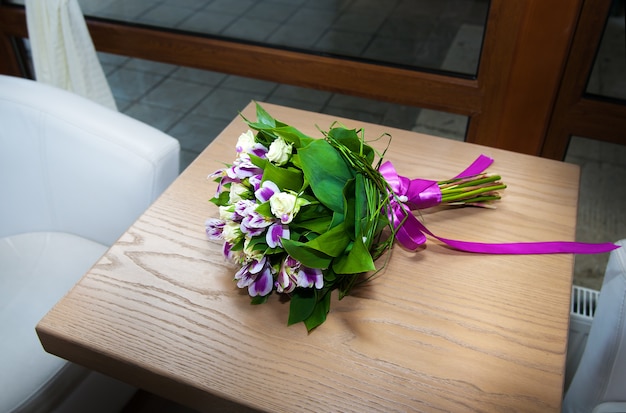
<point x="302" y="216"/>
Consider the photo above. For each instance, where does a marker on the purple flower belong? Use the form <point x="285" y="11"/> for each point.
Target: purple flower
<point x="309" y="277"/>
<point x="274" y="234"/>
<point x="227" y="250"/>
<point x="287" y="275"/>
<point x="229" y="254"/>
<point x="262" y="285"/>
<point x="293" y="274"/>
<point x="243" y="168"/>
<point x="254" y="224"/>
<point x="218" y="174"/>
<point x="255" y="182"/>
<point x="257" y="276"/>
<point x="259" y="150"/>
<point x="243" y="208"/>
<point x="225" y="179"/>
<point x="266" y="191"/>
<point x="214" y="228"/>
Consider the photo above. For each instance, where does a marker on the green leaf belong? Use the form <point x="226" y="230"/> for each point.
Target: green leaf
<point x="302" y="304"/>
<point x="271" y="128"/>
<point x="308" y="256"/>
<point x="332" y="242"/>
<point x="338" y="218"/>
<point x="293" y="135"/>
<point x="350" y="139"/>
<point x="355" y="201"/>
<point x="317" y="225"/>
<point x="349" y="202"/>
<point x="263" y="117"/>
<point x="358" y="260"/>
<point x="238" y="246"/>
<point x="265" y="209"/>
<point x="286" y="179"/>
<point x="360" y="203"/>
<point x="326" y="171"/>
<point x="295" y="160"/>
<point x="259" y="162"/>
<point x="329" y="277"/>
<point x="223" y="199"/>
<point x="319" y="313"/>
<point x="312" y="211"/>
<point x="346" y="284"/>
<point x="257" y="243"/>
<point x="259" y="300"/>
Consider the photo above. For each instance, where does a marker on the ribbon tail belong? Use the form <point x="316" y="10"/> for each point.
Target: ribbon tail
<point x="523" y="248"/>
<point x="527" y="248"/>
<point x="478" y="166"/>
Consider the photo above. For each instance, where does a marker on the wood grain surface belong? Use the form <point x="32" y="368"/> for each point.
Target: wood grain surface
<point x="439" y="330"/>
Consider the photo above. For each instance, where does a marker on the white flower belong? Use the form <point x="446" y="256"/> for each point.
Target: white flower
<point x="237" y="191"/>
<point x="249" y="251"/>
<point x="284" y="206"/>
<point x="232" y="232"/>
<point x="279" y="152"/>
<point x="245" y="142"/>
<point x="226" y="212"/>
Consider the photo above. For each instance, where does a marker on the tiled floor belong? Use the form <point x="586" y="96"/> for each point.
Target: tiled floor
<point x="194" y="106"/>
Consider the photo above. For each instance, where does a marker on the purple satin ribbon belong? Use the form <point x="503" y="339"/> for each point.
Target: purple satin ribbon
<point x="412" y="194"/>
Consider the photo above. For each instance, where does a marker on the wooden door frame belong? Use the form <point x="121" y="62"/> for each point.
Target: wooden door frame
<point x="526" y="48"/>
<point x="576" y="113"/>
<point x="509" y="103"/>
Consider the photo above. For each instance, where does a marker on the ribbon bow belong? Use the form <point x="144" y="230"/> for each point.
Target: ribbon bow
<point x="412" y="194"/>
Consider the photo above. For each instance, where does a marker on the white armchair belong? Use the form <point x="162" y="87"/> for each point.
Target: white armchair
<point x="599" y="382"/>
<point x="74" y="176"/>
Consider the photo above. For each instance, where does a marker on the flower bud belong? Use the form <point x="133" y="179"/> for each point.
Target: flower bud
<point x="237" y="193"/>
<point x="227" y="212"/>
<point x="232" y="232"/>
<point x="245" y="143"/>
<point x="250" y="252"/>
<point x="284" y="206"/>
<point x="279" y="152"/>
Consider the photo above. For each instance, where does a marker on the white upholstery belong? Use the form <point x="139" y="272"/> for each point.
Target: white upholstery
<point x="599" y="384"/>
<point x="70" y="165"/>
<point x="73" y="176"/>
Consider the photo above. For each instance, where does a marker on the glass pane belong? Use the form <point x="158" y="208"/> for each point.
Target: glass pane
<point x="608" y="77"/>
<point x="195" y="105"/>
<point x="438" y="35"/>
<point x="601" y="203"/>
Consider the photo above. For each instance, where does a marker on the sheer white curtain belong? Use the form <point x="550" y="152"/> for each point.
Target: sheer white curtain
<point x="63" y="52"/>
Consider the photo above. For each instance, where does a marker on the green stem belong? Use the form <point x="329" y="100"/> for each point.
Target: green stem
<point x="476" y="200"/>
<point x="469" y="194"/>
<point x="472" y="181"/>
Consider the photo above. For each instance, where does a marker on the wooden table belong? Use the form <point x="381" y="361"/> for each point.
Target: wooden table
<point x="440" y="330"/>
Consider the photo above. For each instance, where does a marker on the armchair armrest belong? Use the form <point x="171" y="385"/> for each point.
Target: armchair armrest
<point x="71" y="165"/>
